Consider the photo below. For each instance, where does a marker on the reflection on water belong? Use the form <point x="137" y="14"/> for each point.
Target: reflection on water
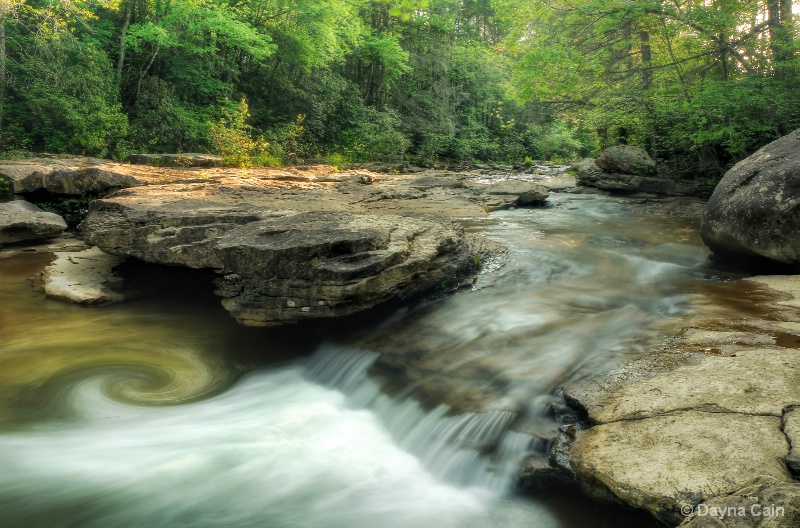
<point x="151" y="352"/>
<point x="90" y="433"/>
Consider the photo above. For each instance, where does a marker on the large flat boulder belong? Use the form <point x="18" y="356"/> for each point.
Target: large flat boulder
<point x="668" y="464"/>
<point x="65" y="176"/>
<point x="279" y="266"/>
<point x="755" y="209"/>
<point x="510" y="193"/>
<point x="22" y="221"/>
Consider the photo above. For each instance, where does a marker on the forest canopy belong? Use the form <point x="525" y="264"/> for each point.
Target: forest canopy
<point x="699" y="84"/>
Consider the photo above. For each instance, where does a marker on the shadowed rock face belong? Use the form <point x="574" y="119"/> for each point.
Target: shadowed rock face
<point x="279" y="266"/>
<point x="591" y="174"/>
<point x="755" y="209"/>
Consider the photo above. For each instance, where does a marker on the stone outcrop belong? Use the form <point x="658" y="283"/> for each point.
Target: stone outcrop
<point x="84" y="277"/>
<point x="285" y="256"/>
<point x="626" y="159"/>
<point x="65" y="176"/>
<point x="707" y="422"/>
<point x="755" y="209"/>
<point x="22" y="221"/>
<point x="590" y="174"/>
<point x="766" y="503"/>
<point x="511" y="193"/>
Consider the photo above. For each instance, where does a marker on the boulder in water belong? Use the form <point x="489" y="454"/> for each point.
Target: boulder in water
<point x="281" y="266"/>
<point x="626" y="159"/>
<point x="624" y="174"/>
<point x="755" y="208"/>
<point x="84" y="277"/>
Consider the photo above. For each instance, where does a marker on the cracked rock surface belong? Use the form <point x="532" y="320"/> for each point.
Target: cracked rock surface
<point x="707" y="422"/>
<point x="294" y="248"/>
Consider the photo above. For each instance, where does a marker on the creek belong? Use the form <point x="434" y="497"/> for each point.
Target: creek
<point x="164" y="412"/>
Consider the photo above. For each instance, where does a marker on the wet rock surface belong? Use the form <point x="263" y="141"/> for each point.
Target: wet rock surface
<point x="701" y="422"/>
<point x="84" y="277"/>
<point x="21" y="221"/>
<point x="507" y="193"/>
<point x="755" y="209"/>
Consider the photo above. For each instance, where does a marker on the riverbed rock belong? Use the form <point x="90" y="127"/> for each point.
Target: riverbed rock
<point x="511" y="193"/>
<point x="767" y="503"/>
<point x="591" y="175"/>
<point x="755" y="209"/>
<point x="758" y="381"/>
<point x="626" y="159"/>
<point x="84" y="277"/>
<point x="700" y="421"/>
<point x="668" y="463"/>
<point x="65" y="176"/>
<point x="22" y="221"/>
<point x="279" y="266"/>
<point x="705" y="429"/>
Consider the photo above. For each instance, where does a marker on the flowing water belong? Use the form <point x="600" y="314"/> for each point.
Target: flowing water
<point x="164" y="412"/>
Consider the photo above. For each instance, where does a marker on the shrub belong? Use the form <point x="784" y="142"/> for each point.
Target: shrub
<point x="233" y="138"/>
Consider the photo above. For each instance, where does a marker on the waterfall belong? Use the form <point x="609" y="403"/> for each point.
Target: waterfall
<point x="468" y="449"/>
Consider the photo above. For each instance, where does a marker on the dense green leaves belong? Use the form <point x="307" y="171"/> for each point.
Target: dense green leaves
<point x="698" y="83"/>
<point x="707" y="82"/>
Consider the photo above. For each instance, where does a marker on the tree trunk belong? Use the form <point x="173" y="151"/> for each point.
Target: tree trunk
<point x="787" y="31"/>
<point x="647" y="56"/>
<point x="774" y="18"/>
<point x="124" y="33"/>
<point x="2" y="67"/>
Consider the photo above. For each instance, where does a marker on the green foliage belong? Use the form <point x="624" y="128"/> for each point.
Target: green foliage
<point x="559" y="141"/>
<point x="375" y="136"/>
<point x="6" y="187"/>
<point x="69" y="93"/>
<point x="698" y="84"/>
<point x="234" y="141"/>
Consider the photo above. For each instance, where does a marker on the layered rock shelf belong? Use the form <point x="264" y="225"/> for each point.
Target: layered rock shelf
<point x="290" y="246"/>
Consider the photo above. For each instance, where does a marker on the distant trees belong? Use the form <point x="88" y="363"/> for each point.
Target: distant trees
<point x="700" y="82"/>
<point x="361" y="79"/>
